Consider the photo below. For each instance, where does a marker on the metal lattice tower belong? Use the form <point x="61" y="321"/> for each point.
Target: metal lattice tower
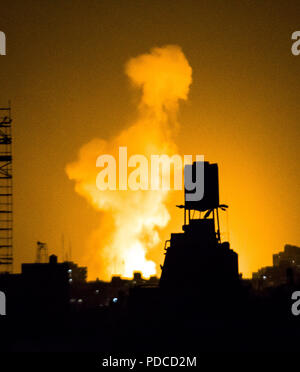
<point x="6" y="188"/>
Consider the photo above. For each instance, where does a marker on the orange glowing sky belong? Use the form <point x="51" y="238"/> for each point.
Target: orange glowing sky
<point x="64" y="72"/>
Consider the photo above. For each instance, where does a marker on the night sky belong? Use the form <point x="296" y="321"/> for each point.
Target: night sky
<point x="64" y="74"/>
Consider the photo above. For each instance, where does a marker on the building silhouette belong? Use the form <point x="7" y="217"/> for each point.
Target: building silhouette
<point x="199" y="269"/>
<point x="285" y="269"/>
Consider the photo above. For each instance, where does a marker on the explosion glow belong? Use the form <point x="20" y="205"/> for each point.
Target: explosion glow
<point x="129" y="229"/>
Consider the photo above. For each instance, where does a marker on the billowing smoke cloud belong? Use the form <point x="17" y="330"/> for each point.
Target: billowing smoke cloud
<point x="130" y="227"/>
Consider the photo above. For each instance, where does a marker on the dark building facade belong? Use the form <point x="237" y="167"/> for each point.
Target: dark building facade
<point x="199" y="270"/>
<point x="42" y="288"/>
<point x="285" y="269"/>
<point x="196" y="260"/>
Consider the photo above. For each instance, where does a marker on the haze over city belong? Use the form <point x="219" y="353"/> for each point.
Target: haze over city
<point x="236" y="103"/>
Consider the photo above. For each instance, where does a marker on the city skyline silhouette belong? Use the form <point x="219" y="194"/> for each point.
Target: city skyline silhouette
<point x="149" y="179"/>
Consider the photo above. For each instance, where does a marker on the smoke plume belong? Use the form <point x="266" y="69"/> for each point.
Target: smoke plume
<point x="130" y="226"/>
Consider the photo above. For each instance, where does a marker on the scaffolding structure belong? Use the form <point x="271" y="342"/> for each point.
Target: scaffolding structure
<point x="6" y="191"/>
